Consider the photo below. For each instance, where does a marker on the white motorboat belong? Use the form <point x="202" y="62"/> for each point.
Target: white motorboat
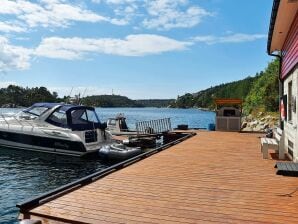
<point x="54" y="128"/>
<point x="118" y="126"/>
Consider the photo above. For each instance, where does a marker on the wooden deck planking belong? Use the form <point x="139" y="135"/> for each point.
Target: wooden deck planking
<point x="215" y="177"/>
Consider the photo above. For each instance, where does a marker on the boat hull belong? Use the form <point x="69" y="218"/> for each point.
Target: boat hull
<point x="42" y="144"/>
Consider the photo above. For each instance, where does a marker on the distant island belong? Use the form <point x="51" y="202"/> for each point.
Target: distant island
<point x="17" y="96"/>
<point x="123" y="101"/>
<point x="260" y="93"/>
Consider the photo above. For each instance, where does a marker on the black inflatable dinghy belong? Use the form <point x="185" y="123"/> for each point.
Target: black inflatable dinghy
<point x="118" y="152"/>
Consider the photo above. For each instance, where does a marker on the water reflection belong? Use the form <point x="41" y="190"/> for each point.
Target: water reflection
<point x="29" y="174"/>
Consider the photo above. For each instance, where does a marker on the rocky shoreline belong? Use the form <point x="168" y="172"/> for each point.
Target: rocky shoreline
<point x="259" y="123"/>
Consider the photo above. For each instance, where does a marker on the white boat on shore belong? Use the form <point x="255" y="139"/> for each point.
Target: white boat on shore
<point x="54" y="128"/>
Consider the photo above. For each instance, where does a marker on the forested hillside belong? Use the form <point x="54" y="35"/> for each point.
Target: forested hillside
<point x="123" y="101"/>
<point x="155" y="102"/>
<point x="264" y="93"/>
<point x="258" y="92"/>
<point x="17" y="96"/>
<point x="14" y="96"/>
<point x="109" y="101"/>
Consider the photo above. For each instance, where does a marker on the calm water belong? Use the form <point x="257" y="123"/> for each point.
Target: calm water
<point x="193" y="117"/>
<point x="27" y="174"/>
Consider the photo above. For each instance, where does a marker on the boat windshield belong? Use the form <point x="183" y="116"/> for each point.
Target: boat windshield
<point x="37" y="111"/>
<point x="34" y="111"/>
<point x="77" y="119"/>
<point x="58" y="118"/>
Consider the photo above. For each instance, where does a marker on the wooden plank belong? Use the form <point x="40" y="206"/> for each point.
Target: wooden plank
<point x="283" y="167"/>
<point x="164" y="204"/>
<point x="293" y="167"/>
<point x="223" y="180"/>
<point x="228" y="200"/>
<point x="287" y="168"/>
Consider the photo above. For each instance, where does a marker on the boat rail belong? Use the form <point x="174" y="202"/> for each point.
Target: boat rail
<point x="48" y="196"/>
<point x="154" y="126"/>
<point x="14" y="121"/>
<point x="4" y="119"/>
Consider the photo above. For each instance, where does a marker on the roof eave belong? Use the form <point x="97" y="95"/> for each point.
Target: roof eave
<point x="272" y="24"/>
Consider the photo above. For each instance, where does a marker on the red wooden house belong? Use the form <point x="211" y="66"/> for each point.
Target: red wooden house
<point x="283" y="43"/>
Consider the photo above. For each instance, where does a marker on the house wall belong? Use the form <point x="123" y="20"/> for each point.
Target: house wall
<point x="289" y="73"/>
<point x="290" y="49"/>
<point x="290" y="127"/>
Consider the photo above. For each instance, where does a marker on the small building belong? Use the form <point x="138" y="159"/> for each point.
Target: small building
<point x="283" y="43"/>
<point x="228" y="114"/>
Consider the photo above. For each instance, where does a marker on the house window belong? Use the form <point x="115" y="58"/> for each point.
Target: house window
<point x="290" y="101"/>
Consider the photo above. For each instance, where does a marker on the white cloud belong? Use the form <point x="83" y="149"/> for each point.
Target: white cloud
<point x="232" y="38"/>
<point x="18" y="58"/>
<point x="151" y="14"/>
<point x="132" y="45"/>
<point x="168" y="14"/>
<point x="7" y="27"/>
<point x="205" y="39"/>
<point x="49" y="13"/>
<point x="121" y="2"/>
<point x="60" y="14"/>
<point x="96" y="1"/>
<point x="10" y="7"/>
<point x="159" y="14"/>
<point x="13" y="57"/>
<point x="124" y="10"/>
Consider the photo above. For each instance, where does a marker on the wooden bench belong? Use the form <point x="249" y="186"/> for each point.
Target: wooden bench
<point x="275" y="143"/>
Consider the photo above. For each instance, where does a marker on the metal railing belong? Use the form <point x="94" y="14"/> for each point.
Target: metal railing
<point x="154" y="126"/>
<point x="15" y="121"/>
<point x="34" y="202"/>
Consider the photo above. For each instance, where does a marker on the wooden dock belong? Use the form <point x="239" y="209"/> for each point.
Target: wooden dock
<point x="213" y="177"/>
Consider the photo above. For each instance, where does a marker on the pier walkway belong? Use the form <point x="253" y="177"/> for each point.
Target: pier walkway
<point x="213" y="177"/>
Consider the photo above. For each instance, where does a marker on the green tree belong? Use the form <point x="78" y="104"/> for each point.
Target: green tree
<point x="19" y="96"/>
<point x="264" y="93"/>
<point x="260" y="91"/>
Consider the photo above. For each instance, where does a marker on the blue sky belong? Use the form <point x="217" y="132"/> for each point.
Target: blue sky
<point x="138" y="48"/>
